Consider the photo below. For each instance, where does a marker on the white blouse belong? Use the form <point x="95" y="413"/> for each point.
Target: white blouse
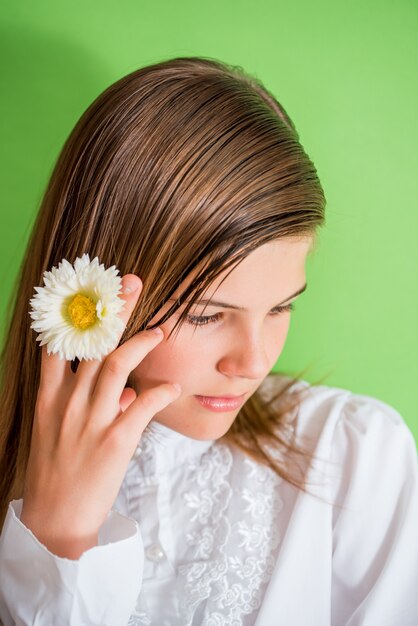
<point x="202" y="535"/>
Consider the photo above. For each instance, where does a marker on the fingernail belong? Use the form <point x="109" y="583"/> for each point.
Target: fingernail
<point x="129" y="285"/>
<point x="177" y="386"/>
<point x="157" y="331"/>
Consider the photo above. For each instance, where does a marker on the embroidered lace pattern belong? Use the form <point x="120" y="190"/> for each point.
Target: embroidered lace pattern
<point x="233" y="554"/>
<point x="230" y="540"/>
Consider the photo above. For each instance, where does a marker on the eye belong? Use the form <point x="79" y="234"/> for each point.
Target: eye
<point x="202" y="320"/>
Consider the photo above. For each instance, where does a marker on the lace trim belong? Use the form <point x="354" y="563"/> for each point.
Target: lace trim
<point x="231" y="549"/>
<point x="233" y="561"/>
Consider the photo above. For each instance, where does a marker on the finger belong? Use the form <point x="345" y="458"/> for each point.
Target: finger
<point x="114" y="374"/>
<point x="133" y="421"/>
<point x="54" y="373"/>
<point x="88" y="371"/>
<point x="126" y="399"/>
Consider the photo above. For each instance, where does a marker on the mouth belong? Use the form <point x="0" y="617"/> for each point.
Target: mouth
<point x="227" y="396"/>
<point x="221" y="404"/>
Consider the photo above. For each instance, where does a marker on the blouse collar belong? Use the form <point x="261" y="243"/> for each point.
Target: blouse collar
<point x="162" y="449"/>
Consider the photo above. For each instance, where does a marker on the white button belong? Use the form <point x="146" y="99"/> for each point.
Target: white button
<point x="137" y="452"/>
<point x="155" y="553"/>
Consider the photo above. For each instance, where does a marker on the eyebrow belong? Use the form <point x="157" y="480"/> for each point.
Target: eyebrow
<point x="225" y="305"/>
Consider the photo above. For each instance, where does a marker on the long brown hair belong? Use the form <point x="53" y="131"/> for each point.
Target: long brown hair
<point x="185" y="164"/>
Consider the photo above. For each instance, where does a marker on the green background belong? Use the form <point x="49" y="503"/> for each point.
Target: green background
<point x="346" y="73"/>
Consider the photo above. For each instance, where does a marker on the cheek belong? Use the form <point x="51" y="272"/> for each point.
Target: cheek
<point x="284" y="328"/>
<point x="277" y="339"/>
<point x="172" y="361"/>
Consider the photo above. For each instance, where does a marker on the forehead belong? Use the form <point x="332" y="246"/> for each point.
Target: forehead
<point x="272" y="267"/>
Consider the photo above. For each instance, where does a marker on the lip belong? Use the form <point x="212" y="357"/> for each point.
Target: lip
<point x="221" y="404"/>
<point x="226" y="396"/>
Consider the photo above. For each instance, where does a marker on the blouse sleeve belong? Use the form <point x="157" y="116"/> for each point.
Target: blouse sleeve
<point x="375" y="530"/>
<point x="38" y="587"/>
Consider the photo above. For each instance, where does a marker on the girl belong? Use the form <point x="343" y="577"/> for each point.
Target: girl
<point x="241" y="497"/>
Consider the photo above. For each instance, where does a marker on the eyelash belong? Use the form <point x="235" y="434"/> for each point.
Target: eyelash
<point x="203" y="320"/>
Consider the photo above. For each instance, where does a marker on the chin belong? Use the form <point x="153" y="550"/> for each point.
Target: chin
<point x="202" y="432"/>
<point x="209" y="435"/>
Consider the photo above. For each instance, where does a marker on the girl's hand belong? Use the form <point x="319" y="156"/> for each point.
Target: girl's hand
<point x="85" y="430"/>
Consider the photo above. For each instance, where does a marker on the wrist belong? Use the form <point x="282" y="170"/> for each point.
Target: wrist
<point x="59" y="543"/>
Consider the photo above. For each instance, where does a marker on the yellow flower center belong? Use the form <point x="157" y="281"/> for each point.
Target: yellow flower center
<point x="82" y="311"/>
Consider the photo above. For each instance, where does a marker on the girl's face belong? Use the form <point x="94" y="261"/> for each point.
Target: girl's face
<point x="229" y="351"/>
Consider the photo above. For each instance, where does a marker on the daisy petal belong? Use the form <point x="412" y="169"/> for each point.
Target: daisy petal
<point x="76" y="312"/>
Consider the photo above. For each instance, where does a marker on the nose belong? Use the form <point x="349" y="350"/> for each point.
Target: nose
<point x="247" y="357"/>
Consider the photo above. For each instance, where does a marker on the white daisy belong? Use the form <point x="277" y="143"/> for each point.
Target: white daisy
<point x="76" y="312"/>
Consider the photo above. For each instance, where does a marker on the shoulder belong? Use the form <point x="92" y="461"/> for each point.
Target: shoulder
<point x="324" y="410"/>
<point x="351" y="420"/>
<point x="367" y="466"/>
<point x="350" y="433"/>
